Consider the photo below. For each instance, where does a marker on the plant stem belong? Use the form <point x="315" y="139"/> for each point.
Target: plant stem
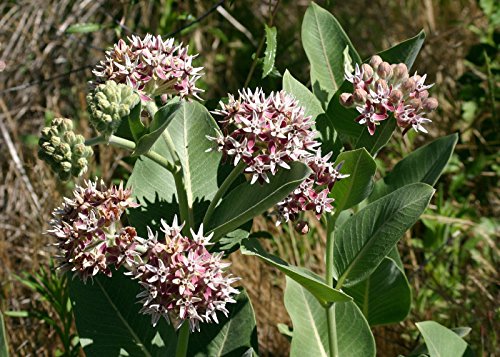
<point x="182" y="340"/>
<point x="130" y="145"/>
<point x="330" y="310"/>
<point x="222" y="190"/>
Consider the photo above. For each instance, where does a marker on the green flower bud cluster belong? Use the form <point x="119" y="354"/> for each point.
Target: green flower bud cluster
<point x="63" y="150"/>
<point x="108" y="104"/>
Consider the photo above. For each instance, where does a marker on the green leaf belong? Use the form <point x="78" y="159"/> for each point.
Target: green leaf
<point x="353" y="189"/>
<point x="84" y="28"/>
<point x="247" y="201"/>
<point x="385" y="297"/>
<point x="137" y="128"/>
<point x="109" y="323"/>
<point x="232" y="336"/>
<point x="316" y="286"/>
<point x="367" y="237"/>
<point x="310" y="331"/>
<point x="422" y="165"/>
<point x="342" y="118"/>
<point x="153" y="186"/>
<point x="306" y="99"/>
<point x="4" y="347"/>
<point x="270" y="53"/>
<point x="162" y="118"/>
<point x="441" y="341"/>
<point x="324" y="42"/>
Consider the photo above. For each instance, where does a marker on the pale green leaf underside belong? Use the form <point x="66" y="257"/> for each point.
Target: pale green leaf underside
<point x="270" y="52"/>
<point x="441" y="341"/>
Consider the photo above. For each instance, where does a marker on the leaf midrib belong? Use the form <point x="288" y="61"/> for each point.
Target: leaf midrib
<point x="314" y="327"/>
<point x="323" y="50"/>
<point x="124" y="321"/>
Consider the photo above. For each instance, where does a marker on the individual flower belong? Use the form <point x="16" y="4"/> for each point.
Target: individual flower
<point x="108" y="104"/>
<point x="152" y="66"/>
<point x="381" y="88"/>
<point x="181" y="279"/>
<point x="264" y="132"/>
<point x="87" y="230"/>
<point x="63" y="150"/>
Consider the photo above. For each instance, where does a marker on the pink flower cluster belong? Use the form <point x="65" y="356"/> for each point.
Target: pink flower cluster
<point x="181" y="279"/>
<point x="381" y="88"/>
<point x="87" y="232"/>
<point x="266" y="133"/>
<point x="152" y="66"/>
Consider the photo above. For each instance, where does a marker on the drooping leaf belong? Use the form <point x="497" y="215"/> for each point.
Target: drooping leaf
<point x="353" y="189"/>
<point x="363" y="241"/>
<point x="231" y="337"/>
<point x="247" y="201"/>
<point x="84" y="28"/>
<point x="4" y="347"/>
<point x="160" y="121"/>
<point x="310" y="331"/>
<point x="385" y="297"/>
<point x="153" y="186"/>
<point x="422" y="165"/>
<point x="270" y="52"/>
<point x="109" y="323"/>
<point x="316" y="286"/>
<point x="305" y="97"/>
<point x="441" y="341"/>
<point x="324" y="42"/>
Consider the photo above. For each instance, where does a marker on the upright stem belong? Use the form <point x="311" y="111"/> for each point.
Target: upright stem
<point x="222" y="190"/>
<point x="182" y="340"/>
<point x="330" y="310"/>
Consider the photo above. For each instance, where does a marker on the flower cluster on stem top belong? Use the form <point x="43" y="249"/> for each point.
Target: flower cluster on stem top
<point x="381" y="88"/>
<point x="269" y="132"/>
<point x="181" y="279"/>
<point x="87" y="230"/>
<point x="152" y="66"/>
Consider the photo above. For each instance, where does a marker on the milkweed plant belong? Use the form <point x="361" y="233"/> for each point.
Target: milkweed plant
<point x="148" y="256"/>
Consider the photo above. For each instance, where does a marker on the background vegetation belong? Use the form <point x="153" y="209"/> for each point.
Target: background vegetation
<point x="451" y="256"/>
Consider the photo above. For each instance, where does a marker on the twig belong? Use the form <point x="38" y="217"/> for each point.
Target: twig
<point x="236" y="24"/>
<point x="198" y="19"/>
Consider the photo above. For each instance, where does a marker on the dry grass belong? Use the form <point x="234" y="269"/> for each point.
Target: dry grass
<point x="34" y="47"/>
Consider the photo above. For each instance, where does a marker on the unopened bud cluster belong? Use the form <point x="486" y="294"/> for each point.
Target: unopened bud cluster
<point x="63" y="150"/>
<point x="87" y="230"/>
<point x="152" y="66"/>
<point x="268" y="133"/>
<point x="181" y="279"/>
<point x="381" y="88"/>
<point x="108" y="104"/>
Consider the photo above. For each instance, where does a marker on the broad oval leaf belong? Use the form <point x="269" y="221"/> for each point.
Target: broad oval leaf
<point x="310" y="328"/>
<point x="353" y="189"/>
<point x="363" y="241"/>
<point x="385" y="297"/>
<point x="422" y="165"/>
<point x="324" y="293"/>
<point x="109" y="323"/>
<point x="405" y="51"/>
<point x="160" y="121"/>
<point x="270" y="52"/>
<point x="324" y="42"/>
<point x="246" y="201"/>
<point x="233" y="336"/>
<point x="441" y="341"/>
<point x="153" y="186"/>
<point x="311" y="104"/>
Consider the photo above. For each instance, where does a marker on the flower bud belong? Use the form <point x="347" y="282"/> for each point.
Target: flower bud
<point x="430" y="104"/>
<point x="408" y="86"/>
<point x="423" y="94"/>
<point x="69" y="137"/>
<point x="415" y="102"/>
<point x="375" y="61"/>
<point x="346" y="99"/>
<point x="66" y="166"/>
<point x="359" y="96"/>
<point x="384" y="70"/>
<point x="395" y="96"/>
<point x="400" y="72"/>
<point x="367" y="71"/>
<point x="302" y="227"/>
<point x="58" y="157"/>
<point x="380" y="83"/>
<point x="55" y="140"/>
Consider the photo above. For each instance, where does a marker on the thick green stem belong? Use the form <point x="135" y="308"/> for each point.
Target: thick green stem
<point x="222" y="190"/>
<point x="182" y="340"/>
<point x="330" y="310"/>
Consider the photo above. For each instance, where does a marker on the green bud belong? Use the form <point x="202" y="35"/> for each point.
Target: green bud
<point x="58" y="157"/>
<point x="55" y="140"/>
<point x="65" y="165"/>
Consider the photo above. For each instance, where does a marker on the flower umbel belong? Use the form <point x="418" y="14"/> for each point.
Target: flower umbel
<point x="181" y="279"/>
<point x="152" y="66"/>
<point x="381" y="88"/>
<point x="87" y="232"/>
